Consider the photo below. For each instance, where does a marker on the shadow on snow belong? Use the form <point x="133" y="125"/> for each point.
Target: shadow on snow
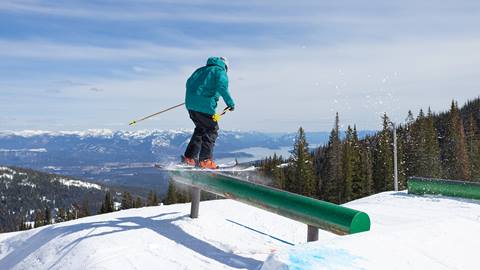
<point x="164" y="227"/>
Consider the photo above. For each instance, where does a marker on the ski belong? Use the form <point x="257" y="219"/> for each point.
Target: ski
<point x="230" y="167"/>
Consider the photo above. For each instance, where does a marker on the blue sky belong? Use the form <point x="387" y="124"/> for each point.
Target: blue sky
<point x="100" y="64"/>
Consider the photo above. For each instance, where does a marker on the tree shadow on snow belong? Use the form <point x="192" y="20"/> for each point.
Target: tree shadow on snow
<point x="165" y="227"/>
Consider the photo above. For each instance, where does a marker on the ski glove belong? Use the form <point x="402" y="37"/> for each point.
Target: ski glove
<point x="216" y="117"/>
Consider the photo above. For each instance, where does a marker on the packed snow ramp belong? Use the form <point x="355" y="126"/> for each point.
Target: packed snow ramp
<point x="319" y="214"/>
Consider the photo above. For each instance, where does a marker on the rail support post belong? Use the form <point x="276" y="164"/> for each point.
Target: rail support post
<point x="195" y="202"/>
<point x="312" y="233"/>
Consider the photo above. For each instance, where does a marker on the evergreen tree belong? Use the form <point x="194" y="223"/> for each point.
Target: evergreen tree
<point x="72" y="214"/>
<point x="152" y="199"/>
<point x="410" y="119"/>
<point x="367" y="170"/>
<point x="107" y="205"/>
<point x="348" y="163"/>
<point x="279" y="177"/>
<point x="473" y="147"/>
<point x="155" y="199"/>
<point x="433" y="166"/>
<point x="127" y="200"/>
<point x="139" y="203"/>
<point x="424" y="148"/>
<point x="456" y="162"/>
<point x="332" y="187"/>
<point x="23" y="226"/>
<point x="407" y="139"/>
<point x="419" y="149"/>
<point x="61" y="215"/>
<point x="84" y="209"/>
<point x="48" y="216"/>
<point x="357" y="187"/>
<point x="302" y="167"/>
<point x="184" y="194"/>
<point x="171" y="197"/>
<point x="320" y="161"/>
<point x="383" y="159"/>
<point x="272" y="168"/>
<point x="39" y="219"/>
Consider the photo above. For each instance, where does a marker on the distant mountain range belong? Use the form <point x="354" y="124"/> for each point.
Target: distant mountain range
<point x="127" y="157"/>
<point x="42" y="149"/>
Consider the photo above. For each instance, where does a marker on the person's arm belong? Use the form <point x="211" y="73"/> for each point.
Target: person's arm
<point x="222" y="88"/>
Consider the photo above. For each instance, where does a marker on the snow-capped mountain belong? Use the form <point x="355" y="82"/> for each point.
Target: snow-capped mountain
<point x="94" y="147"/>
<point x="99" y="146"/>
<point x="127" y="157"/>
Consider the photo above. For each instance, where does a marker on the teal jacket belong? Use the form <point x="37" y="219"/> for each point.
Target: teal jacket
<point x="206" y="85"/>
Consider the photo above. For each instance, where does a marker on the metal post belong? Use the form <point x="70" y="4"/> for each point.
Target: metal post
<point x="195" y="202"/>
<point x="395" y="166"/>
<point x="312" y="233"/>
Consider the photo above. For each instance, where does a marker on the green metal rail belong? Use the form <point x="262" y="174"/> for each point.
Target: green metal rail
<point x="420" y="186"/>
<point x="319" y="214"/>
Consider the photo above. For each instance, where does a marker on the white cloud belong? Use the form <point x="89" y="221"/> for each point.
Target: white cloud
<point x="58" y="51"/>
<point x="240" y="12"/>
<point x="286" y="87"/>
<point x="95" y="89"/>
<point x="357" y="58"/>
<point x="139" y="69"/>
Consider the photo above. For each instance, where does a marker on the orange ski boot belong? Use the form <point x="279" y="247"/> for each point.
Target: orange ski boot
<point x="208" y="164"/>
<point x="189" y="161"/>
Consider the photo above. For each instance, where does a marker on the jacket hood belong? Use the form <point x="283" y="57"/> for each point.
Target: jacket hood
<point x="216" y="61"/>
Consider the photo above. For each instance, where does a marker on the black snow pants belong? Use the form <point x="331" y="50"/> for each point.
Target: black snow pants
<point x="203" y="138"/>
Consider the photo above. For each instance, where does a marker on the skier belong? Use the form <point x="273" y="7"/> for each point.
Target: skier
<point x="204" y="87"/>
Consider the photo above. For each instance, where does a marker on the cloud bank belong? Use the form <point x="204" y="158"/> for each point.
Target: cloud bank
<point x="88" y="64"/>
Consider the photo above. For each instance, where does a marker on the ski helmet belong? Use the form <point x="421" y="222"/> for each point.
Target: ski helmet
<point x="225" y="60"/>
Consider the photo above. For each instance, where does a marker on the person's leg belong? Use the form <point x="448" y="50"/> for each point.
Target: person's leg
<point x="208" y="143"/>
<point x="209" y="137"/>
<point x="195" y="144"/>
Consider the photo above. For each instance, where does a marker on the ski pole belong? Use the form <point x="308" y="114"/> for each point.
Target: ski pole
<point x="157" y="113"/>
<point x="216" y="117"/>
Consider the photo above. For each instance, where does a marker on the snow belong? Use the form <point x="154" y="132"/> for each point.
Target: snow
<point x="77" y="183"/>
<point x="6" y="175"/>
<point x="97" y="133"/>
<point x="161" y="142"/>
<point x="7" y="169"/>
<point x="54" y="168"/>
<point x="148" y="237"/>
<point x="33" y="133"/>
<point x="39" y="150"/>
<point x="26" y="183"/>
<point x="408" y="232"/>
